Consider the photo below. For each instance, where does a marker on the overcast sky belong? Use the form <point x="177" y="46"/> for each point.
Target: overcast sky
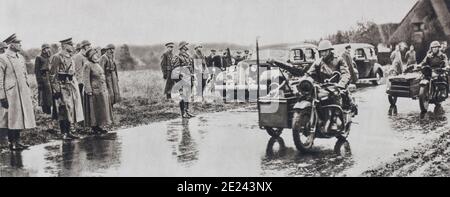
<point x="145" y="22"/>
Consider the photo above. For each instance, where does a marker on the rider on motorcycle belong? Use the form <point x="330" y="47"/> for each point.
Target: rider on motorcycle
<point x="436" y="60"/>
<point x="325" y="66"/>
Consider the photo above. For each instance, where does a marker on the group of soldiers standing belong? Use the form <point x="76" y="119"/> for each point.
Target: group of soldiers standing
<point x="76" y="85"/>
<point x="188" y="74"/>
<point x="404" y="63"/>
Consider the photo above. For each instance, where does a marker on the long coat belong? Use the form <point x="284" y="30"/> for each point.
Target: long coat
<point x="183" y="68"/>
<point x="397" y="62"/>
<point x="42" y="69"/>
<point x="69" y="107"/>
<point x="166" y="68"/>
<point x="351" y="67"/>
<point x="98" y="109"/>
<point x="112" y="79"/>
<point x="410" y="58"/>
<point x="14" y="87"/>
<point x="80" y="61"/>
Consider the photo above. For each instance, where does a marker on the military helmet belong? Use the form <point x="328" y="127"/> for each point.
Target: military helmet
<point x="198" y="46"/>
<point x="85" y="42"/>
<point x="45" y="46"/>
<point x="435" y="44"/>
<point x="91" y="53"/>
<point x="110" y="46"/>
<point x="325" y="45"/>
<point x="182" y="44"/>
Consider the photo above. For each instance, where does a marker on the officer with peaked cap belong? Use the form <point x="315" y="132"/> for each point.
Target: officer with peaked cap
<point x="65" y="89"/>
<point x="16" y="111"/>
<point x="42" y="72"/>
<point x="166" y="68"/>
<point x="182" y="74"/>
<point x="108" y="63"/>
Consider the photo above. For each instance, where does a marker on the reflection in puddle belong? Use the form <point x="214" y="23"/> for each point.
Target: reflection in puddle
<point x="184" y="148"/>
<point x="80" y="158"/>
<point x="317" y="162"/>
<point x="276" y="148"/>
<point x="11" y="165"/>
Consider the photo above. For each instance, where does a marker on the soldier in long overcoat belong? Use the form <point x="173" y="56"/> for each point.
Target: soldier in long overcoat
<point x="182" y="74"/>
<point x="41" y="70"/>
<point x="166" y="68"/>
<point x="65" y="89"/>
<point x="112" y="79"/>
<point x="80" y="61"/>
<point x="16" y="111"/>
<point x="98" y="109"/>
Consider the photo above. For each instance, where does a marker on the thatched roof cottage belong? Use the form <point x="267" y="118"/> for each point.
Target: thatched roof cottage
<point x="428" y="20"/>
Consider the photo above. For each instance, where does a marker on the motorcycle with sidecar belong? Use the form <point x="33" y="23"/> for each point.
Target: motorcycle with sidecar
<point x="431" y="86"/>
<point x="310" y="109"/>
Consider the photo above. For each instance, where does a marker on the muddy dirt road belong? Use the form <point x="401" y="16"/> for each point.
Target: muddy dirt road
<point x="231" y="144"/>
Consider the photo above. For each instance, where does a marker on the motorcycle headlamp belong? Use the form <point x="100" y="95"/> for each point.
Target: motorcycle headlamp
<point x="305" y="87"/>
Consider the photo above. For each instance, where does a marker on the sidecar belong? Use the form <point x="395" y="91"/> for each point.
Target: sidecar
<point x="403" y="86"/>
<point x="275" y="114"/>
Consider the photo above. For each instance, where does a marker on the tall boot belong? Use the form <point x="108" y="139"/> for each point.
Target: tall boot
<point x="98" y="130"/>
<point x="65" y="130"/>
<point x="183" y="110"/>
<point x="187" y="110"/>
<point x="12" y="139"/>
<point x="17" y="136"/>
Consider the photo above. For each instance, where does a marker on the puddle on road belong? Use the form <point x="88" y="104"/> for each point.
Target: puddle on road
<point x="226" y="144"/>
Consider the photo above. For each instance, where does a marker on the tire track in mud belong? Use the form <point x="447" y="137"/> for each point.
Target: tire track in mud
<point x="319" y="162"/>
<point x="431" y="154"/>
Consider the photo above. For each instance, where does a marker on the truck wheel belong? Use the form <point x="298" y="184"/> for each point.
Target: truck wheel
<point x="274" y="132"/>
<point x="301" y="127"/>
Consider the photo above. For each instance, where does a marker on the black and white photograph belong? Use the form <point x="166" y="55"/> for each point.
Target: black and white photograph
<point x="224" y="88"/>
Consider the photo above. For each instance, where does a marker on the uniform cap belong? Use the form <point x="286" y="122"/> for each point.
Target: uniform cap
<point x="67" y="41"/>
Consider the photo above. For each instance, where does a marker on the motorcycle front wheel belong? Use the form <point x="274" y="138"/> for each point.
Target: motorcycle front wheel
<point x="423" y="99"/>
<point x="301" y="130"/>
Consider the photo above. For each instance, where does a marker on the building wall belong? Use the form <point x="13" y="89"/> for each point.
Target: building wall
<point x="433" y="30"/>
